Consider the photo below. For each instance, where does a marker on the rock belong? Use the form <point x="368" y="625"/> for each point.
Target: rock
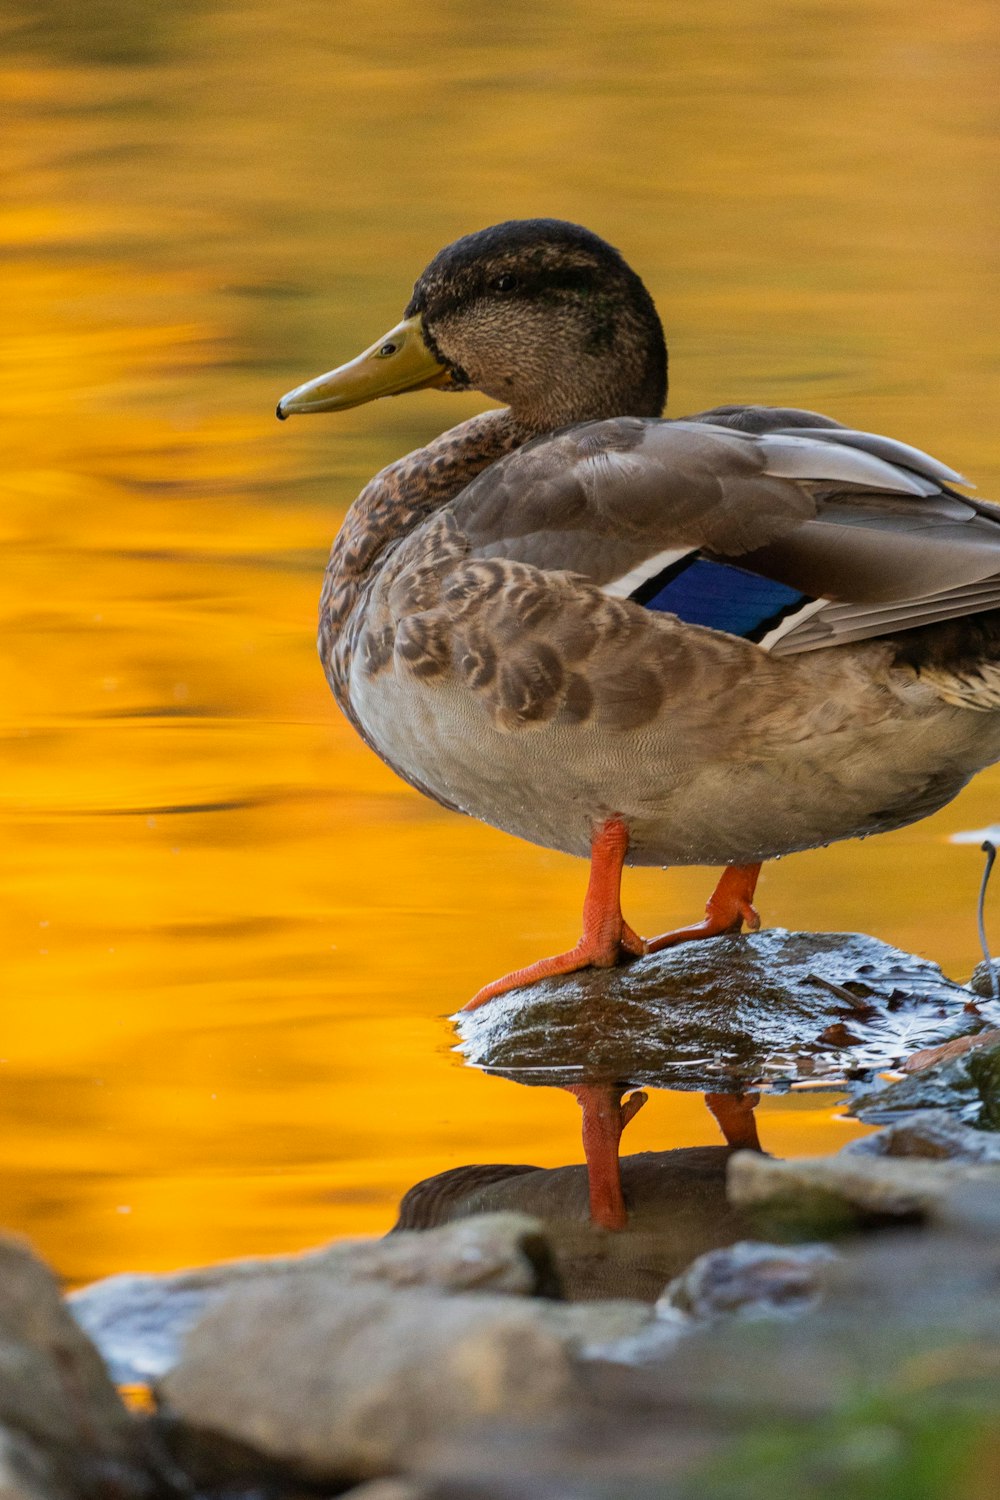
<point x="981" y="982"/>
<point x="65" y="1429"/>
<point x="905" y="1318"/>
<point x="25" y="1472"/>
<point x="334" y="1380"/>
<point x="928" y="1056"/>
<point x="930" y="1133"/>
<point x="138" y="1321"/>
<point x="840" y="1192"/>
<point x="890" y="1387"/>
<point x="389" y="1489"/>
<point x="971" y="1210"/>
<point x="437" y="1200"/>
<point x="724" y="1014"/>
<point x="751" y="1279"/>
<point x="676" y="1202"/>
<point x="966" y="1087"/>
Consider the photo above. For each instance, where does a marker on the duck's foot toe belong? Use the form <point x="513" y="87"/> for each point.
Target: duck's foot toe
<point x="588" y="954"/>
<point x="728" y="909"/>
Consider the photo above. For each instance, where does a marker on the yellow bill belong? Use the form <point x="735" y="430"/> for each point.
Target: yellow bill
<point x="399" y="361"/>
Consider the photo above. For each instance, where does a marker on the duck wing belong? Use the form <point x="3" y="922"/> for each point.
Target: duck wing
<point x="772" y="524"/>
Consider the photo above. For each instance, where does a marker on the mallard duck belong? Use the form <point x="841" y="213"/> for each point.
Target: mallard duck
<point x="712" y="640"/>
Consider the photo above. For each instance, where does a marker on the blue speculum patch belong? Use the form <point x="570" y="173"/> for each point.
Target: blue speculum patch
<point x="720" y="596"/>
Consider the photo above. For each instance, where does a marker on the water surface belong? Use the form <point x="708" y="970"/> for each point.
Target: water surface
<point x="229" y="935"/>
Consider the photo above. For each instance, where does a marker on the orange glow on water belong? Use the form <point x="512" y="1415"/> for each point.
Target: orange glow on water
<point x="229" y="935"/>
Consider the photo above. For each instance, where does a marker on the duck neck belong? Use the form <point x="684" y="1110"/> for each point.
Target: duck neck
<point x="398" y="499"/>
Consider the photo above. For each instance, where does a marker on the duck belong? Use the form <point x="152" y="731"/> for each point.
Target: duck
<point x="710" y="640"/>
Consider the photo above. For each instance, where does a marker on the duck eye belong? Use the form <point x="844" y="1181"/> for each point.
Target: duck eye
<point x="387" y="348"/>
<point x="504" y="283"/>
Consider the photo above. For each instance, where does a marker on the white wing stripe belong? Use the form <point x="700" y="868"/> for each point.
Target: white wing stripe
<point x="792" y="622"/>
<point x="621" y="588"/>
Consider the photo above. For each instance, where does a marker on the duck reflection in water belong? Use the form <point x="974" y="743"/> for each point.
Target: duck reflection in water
<point x="672" y="1203"/>
<point x="606" y="1112"/>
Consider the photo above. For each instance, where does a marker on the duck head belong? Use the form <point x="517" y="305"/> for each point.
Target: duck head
<point x="539" y="314"/>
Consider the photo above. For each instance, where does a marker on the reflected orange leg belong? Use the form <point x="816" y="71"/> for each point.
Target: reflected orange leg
<point x="729" y="906"/>
<point x="734" y="1114"/>
<point x="605" y="1116"/>
<point x="607" y="937"/>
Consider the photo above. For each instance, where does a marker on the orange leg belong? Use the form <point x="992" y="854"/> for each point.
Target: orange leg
<point x="605" y="1116"/>
<point x="729" y="906"/>
<point x="735" y="1118"/>
<point x="607" y="937"/>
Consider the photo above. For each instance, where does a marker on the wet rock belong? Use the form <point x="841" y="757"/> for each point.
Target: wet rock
<point x="722" y="1014"/>
<point x="930" y="1133"/>
<point x="966" y="1087"/>
<point x="834" y="1193"/>
<point x="138" y="1321"/>
<point x="65" y="1430"/>
<point x="752" y="1280"/>
<point x="928" y="1056"/>
<point x="336" y="1381"/>
<point x="676" y="1203"/>
<point x="437" y="1200"/>
<point x="983" y="977"/>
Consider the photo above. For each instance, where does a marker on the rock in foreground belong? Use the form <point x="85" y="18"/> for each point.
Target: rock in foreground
<point x="833" y="1193"/>
<point x="330" y="1382"/>
<point x="64" y="1431"/>
<point x="138" y="1321"/>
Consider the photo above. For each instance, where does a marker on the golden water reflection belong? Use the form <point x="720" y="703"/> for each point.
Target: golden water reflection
<point x="228" y="934"/>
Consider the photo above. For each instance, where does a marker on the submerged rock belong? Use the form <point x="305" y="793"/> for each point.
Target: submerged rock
<point x="333" y="1382"/>
<point x="724" y="1014"/>
<point x="930" y="1133"/>
<point x="753" y="1280"/>
<point x="138" y="1321"/>
<point x="965" y="1087"/>
<point x="63" y="1428"/>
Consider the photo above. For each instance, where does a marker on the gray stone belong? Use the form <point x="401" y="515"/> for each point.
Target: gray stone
<point x="752" y="1279"/>
<point x="724" y="1014"/>
<point x="389" y="1489"/>
<point x="967" y="1087"/>
<point x="25" y="1472"/>
<point x="333" y="1381"/>
<point x="66" y="1429"/>
<point x="930" y="1133"/>
<point x="906" y="1340"/>
<point x="845" y="1188"/>
<point x="138" y="1321"/>
<point x="972" y="1210"/>
<point x="908" y="1316"/>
